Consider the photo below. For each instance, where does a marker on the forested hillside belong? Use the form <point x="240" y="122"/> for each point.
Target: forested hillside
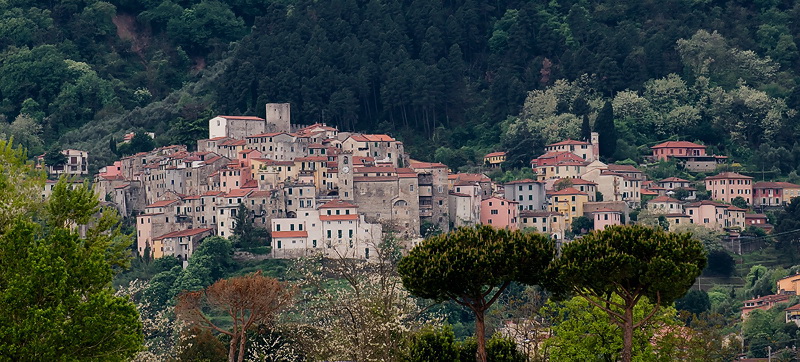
<point x="450" y="78"/>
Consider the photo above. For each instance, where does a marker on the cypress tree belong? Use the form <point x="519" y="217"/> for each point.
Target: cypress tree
<point x="586" y="130"/>
<point x="604" y="125"/>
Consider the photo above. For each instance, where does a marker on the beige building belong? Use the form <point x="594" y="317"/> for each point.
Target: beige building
<point x="545" y="222"/>
<point x="77" y="164"/>
<point x="391" y="199"/>
<point x="727" y="186"/>
<point x="433" y="196"/>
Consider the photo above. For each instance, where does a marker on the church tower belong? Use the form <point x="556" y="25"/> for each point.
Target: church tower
<point x="345" y="165"/>
<point x="279" y="117"/>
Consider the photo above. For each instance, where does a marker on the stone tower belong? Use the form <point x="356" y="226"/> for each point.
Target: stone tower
<point x="278" y="117"/>
<point x="345" y="167"/>
<point x="595" y="141"/>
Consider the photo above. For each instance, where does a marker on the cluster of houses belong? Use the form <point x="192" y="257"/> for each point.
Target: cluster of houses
<point x="320" y="190"/>
<point x="788" y="290"/>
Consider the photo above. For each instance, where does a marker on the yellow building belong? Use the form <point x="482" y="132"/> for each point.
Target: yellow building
<point x="789" y="285"/>
<point x="494" y="159"/>
<point x="569" y="202"/>
<point x="545" y="222"/>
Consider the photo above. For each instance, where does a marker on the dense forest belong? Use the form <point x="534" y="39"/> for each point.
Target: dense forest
<point x="453" y="79"/>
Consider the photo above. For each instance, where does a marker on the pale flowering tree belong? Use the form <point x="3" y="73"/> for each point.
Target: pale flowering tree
<point x="359" y="310"/>
<point x="159" y="328"/>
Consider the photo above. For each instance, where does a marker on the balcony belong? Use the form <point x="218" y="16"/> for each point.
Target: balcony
<point x="425" y="210"/>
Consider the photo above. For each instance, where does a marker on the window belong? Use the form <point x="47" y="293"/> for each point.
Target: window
<point x="329" y="233"/>
<point x="339" y="232"/>
<point x="313" y="243"/>
<point x="494" y="212"/>
<point x="279" y="244"/>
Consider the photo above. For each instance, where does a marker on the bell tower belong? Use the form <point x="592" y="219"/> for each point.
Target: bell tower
<point x="345" y="165"/>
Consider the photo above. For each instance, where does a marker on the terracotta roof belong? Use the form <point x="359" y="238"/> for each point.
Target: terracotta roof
<point x="568" y="142"/>
<point x="181" y="233"/>
<point x="249" y="118"/>
<point x="623" y="168"/>
<point x="427" y="165"/>
<point x="793" y="308"/>
<point x="734" y="208"/>
<point x="335" y="204"/>
<point x="755" y="216"/>
<point x="678" y="144"/>
<point x="161" y="203"/>
<point x="378" y="137"/>
<point x="312" y="159"/>
<point x="774" y="298"/>
<point x="238" y="193"/>
<point x="289" y="234"/>
<point x="374" y="178"/>
<point x="192" y="197"/>
<point x="605" y="209"/>
<point x="212" y="193"/>
<point x="578" y="181"/>
<point x="473" y="177"/>
<point x="493" y="154"/>
<point x="338" y="217"/>
<point x="728" y="175"/>
<point x="673" y="179"/>
<point x="648" y="192"/>
<point x="568" y="191"/>
<point x="705" y="202"/>
<point x="501" y="199"/>
<point x="664" y="199"/>
<point x="775" y="185"/>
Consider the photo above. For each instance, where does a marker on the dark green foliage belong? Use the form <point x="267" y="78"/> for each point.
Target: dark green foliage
<point x="54" y="157"/>
<point x="433" y="345"/>
<point x="720" y="263"/>
<point x="498" y="349"/>
<point x="604" y="125"/>
<point x="141" y="142"/>
<point x="582" y="224"/>
<point x="695" y="301"/>
<point x="586" y="129"/>
<point x="788" y="221"/>
<point x="739" y="202"/>
<point x="246" y="234"/>
<point x="473" y="266"/>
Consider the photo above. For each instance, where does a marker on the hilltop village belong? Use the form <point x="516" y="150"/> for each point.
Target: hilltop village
<point x="319" y="190"/>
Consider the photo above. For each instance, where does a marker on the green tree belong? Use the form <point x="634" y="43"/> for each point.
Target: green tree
<point x="141" y="142"/>
<point x="433" y="345"/>
<point x="604" y="125"/>
<point x="54" y="157"/>
<point x="586" y="129"/>
<point x="56" y="302"/>
<point x="695" y="301"/>
<point x="247" y="235"/>
<point x="473" y="266"/>
<point x="498" y="349"/>
<point x="788" y="221"/>
<point x="581" y="331"/>
<point x="581" y="225"/>
<point x="630" y="263"/>
<point x="739" y="202"/>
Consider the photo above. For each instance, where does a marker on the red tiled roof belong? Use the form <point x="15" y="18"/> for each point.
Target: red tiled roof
<point x="774" y="185"/>
<point x="623" y="168"/>
<point x="239" y="193"/>
<point x="648" y="192"/>
<point x="578" y="181"/>
<point x="568" y="191"/>
<point x="335" y="204"/>
<point x="728" y="175"/>
<point x="181" y="233"/>
<point x="664" y="199"/>
<point x="161" y="203"/>
<point x="673" y="179"/>
<point x="417" y="165"/>
<point x="374" y="178"/>
<point x="289" y="234"/>
<point x="530" y="213"/>
<point x="678" y="144"/>
<point x="378" y="138"/>
<point x="338" y="217"/>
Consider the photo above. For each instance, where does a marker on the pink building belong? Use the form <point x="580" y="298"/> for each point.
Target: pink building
<point x="112" y="171"/>
<point x="606" y="217"/>
<point x="661" y="152"/>
<point x="774" y="193"/>
<point x="729" y="185"/>
<point x="500" y="213"/>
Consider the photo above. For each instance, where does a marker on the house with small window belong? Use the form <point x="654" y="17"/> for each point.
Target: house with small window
<point x="545" y="222"/>
<point x="500" y="213"/>
<point x="530" y="194"/>
<point x="727" y="186"/>
<point x="569" y="202"/>
<point x="776" y="194"/>
<point x="604" y="218"/>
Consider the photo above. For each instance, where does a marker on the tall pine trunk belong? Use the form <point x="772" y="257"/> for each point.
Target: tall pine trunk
<point x="480" y="334"/>
<point x="232" y="349"/>
<point x="627" y="335"/>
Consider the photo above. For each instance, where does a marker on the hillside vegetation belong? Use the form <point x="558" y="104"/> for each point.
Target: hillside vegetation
<point x="451" y="78"/>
